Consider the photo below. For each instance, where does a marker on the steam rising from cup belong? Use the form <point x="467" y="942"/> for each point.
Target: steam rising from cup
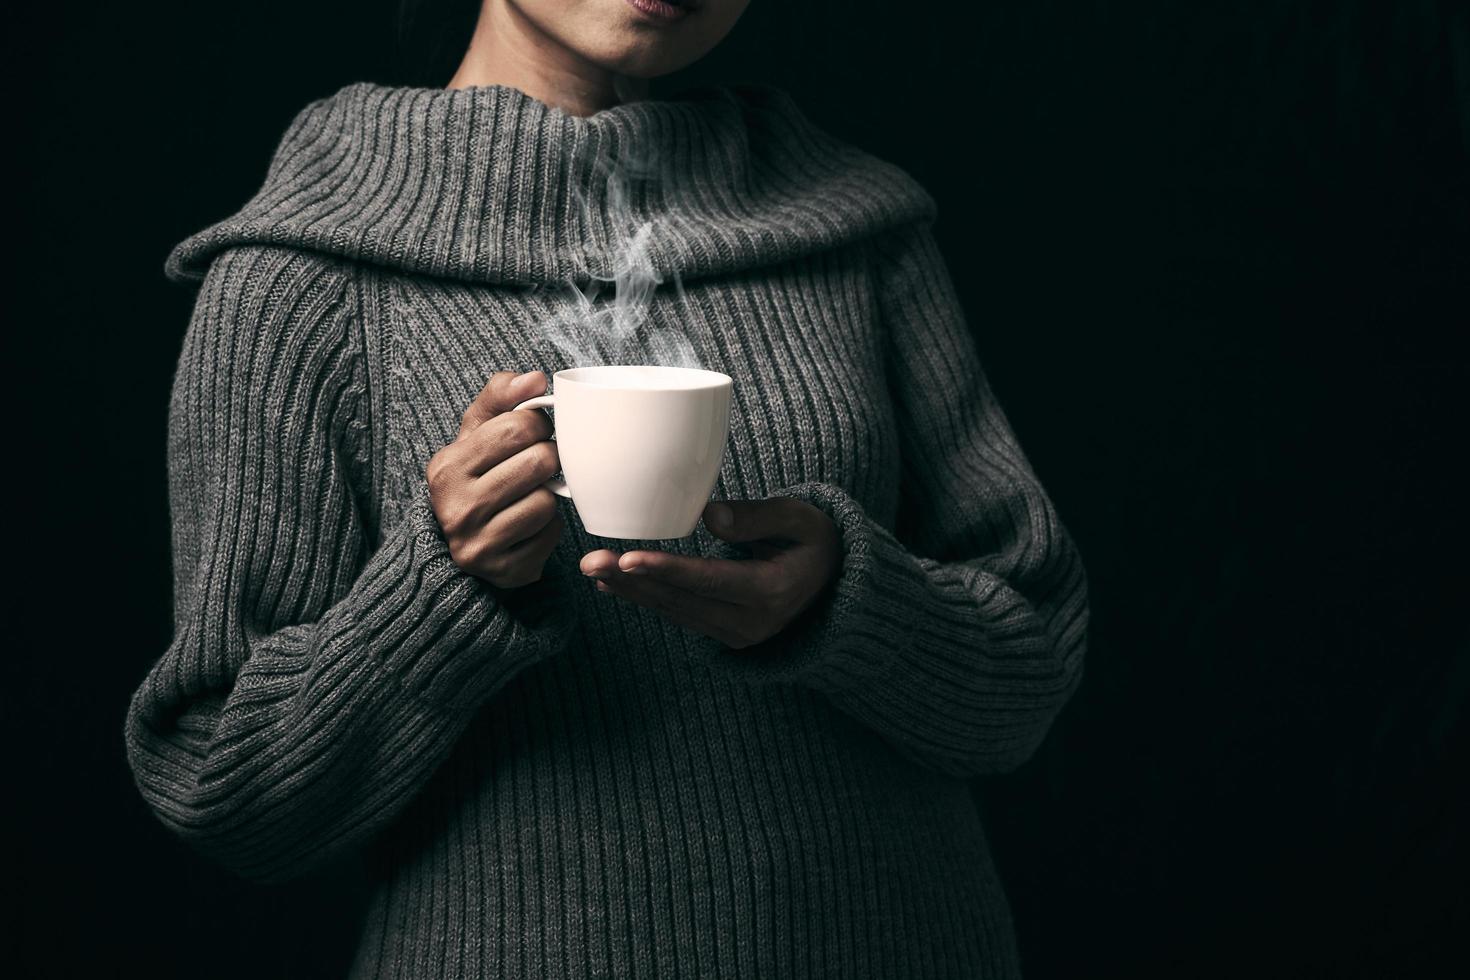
<point x="589" y="331"/>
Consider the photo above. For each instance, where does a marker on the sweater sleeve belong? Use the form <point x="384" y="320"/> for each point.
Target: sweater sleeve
<point x="959" y="634"/>
<point x="313" y="682"/>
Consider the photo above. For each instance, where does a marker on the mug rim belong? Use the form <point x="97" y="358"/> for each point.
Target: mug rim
<point x="706" y="378"/>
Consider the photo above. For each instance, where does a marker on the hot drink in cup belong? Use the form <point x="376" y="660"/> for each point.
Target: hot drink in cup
<point x="640" y="445"/>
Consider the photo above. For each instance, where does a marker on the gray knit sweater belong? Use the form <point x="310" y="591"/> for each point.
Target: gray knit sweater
<point x="552" y="781"/>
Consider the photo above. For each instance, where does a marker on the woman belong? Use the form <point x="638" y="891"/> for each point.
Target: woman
<point x="740" y="754"/>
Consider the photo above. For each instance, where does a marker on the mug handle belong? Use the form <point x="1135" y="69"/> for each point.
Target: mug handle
<point x="556" y="484"/>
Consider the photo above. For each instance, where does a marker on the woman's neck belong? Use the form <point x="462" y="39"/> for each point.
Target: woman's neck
<point x="507" y="49"/>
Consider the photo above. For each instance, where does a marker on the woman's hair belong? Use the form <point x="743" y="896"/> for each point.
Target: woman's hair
<point x="430" y="38"/>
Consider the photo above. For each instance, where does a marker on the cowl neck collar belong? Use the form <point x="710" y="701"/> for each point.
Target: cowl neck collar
<point x="487" y="184"/>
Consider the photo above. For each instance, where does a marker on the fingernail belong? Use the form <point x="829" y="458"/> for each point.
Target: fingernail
<point x="631" y="566"/>
<point x="603" y="587"/>
<point x="720" y="516"/>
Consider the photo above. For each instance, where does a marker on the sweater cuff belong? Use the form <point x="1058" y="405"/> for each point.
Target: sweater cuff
<point x="448" y="638"/>
<point x="855" y="631"/>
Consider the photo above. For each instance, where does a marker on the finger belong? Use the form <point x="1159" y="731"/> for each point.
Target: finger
<point x="503" y="392"/>
<point x="520" y="520"/>
<point x="539" y="546"/>
<point x="602" y="563"/>
<point x="783" y="518"/>
<point x="743" y="582"/>
<point x="475" y="501"/>
<point x="498" y="440"/>
<point x="709" y="617"/>
<point x="526" y="562"/>
<point x="468" y="504"/>
<point x="510" y="480"/>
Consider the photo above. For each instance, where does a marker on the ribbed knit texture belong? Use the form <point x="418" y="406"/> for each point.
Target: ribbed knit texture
<point x="552" y="781"/>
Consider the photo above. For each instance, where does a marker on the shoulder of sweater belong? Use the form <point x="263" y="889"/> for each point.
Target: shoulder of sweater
<point x="276" y="329"/>
<point x="281" y="322"/>
<point x="189" y="261"/>
<point x="265" y="295"/>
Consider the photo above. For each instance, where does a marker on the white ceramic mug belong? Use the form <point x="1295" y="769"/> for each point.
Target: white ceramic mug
<point x="641" y="445"/>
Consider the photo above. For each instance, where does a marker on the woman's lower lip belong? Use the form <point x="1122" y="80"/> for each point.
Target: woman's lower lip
<point x="658" y="10"/>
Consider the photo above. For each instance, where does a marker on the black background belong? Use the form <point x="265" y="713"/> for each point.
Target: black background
<point x="1217" y="258"/>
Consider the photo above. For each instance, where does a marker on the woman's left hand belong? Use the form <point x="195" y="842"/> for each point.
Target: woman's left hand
<point x="797" y="554"/>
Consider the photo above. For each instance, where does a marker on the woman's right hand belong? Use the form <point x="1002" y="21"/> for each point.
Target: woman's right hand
<point x="486" y="489"/>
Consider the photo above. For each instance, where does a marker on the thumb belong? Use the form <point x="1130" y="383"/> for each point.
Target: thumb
<point x="755" y="520"/>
